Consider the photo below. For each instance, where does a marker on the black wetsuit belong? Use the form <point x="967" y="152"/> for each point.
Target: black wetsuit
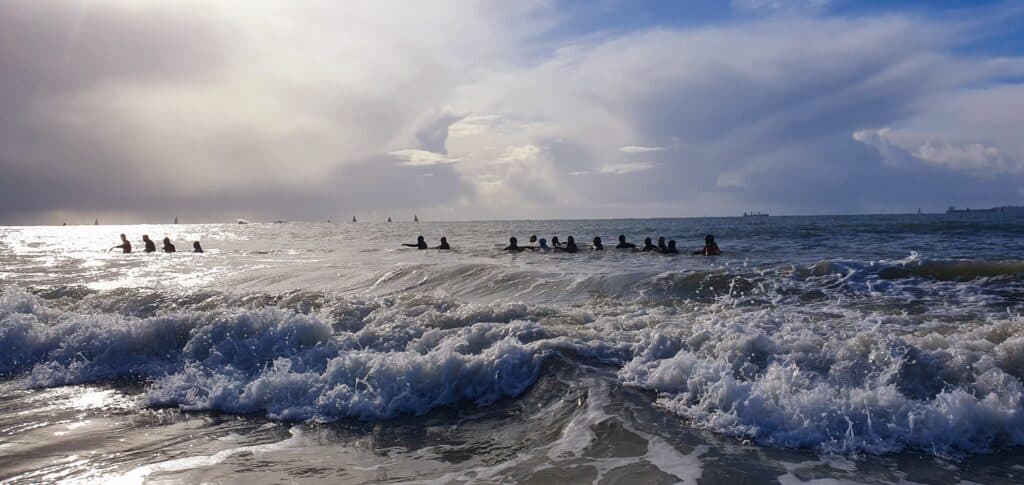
<point x="150" y="246"/>
<point x="169" y="248"/>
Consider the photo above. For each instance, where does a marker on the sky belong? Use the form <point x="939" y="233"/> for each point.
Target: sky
<point x="135" y="111"/>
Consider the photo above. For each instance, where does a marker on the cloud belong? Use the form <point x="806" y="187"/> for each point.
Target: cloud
<point x="422" y="158"/>
<point x="626" y="168"/>
<point x="779" y="5"/>
<point x="640" y="149"/>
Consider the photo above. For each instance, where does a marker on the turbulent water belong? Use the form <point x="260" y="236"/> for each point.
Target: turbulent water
<point x="866" y="349"/>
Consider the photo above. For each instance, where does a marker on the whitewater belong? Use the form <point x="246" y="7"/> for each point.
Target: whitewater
<point x="865" y="349"/>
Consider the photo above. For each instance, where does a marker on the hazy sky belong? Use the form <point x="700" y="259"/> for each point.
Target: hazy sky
<point x="140" y="110"/>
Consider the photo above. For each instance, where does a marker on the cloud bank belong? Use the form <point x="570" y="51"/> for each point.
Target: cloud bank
<point x="140" y="110"/>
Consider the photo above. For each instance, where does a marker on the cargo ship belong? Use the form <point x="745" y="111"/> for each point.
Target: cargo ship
<point x="1007" y="209"/>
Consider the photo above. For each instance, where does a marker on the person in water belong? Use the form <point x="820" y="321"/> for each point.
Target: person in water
<point x="168" y="247"/>
<point x="196" y="247"/>
<point x="150" y="245"/>
<point x="597" y="244"/>
<point x="125" y="246"/>
<point x="420" y="243"/>
<point x="555" y="243"/>
<point x="513" y="245"/>
<point x="444" y="244"/>
<point x="649" y="246"/>
<point x="671" y="249"/>
<point x="710" y="247"/>
<point x="533" y="239"/>
<point x="570" y="245"/>
<point x="661" y="244"/>
<point x="623" y="244"/>
<point x="542" y="244"/>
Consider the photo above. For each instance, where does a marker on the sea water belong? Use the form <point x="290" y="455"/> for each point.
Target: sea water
<point x="856" y="348"/>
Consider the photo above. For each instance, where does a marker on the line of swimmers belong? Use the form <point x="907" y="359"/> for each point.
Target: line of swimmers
<point x="710" y="246"/>
<point x="150" y="246"/>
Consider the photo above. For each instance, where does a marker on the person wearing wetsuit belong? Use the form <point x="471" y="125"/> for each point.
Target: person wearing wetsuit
<point x="570" y="245"/>
<point x="710" y="247"/>
<point x="150" y="245"/>
<point x="671" y="249"/>
<point x="513" y="245"/>
<point x="533" y="239"/>
<point x="542" y="244"/>
<point x="125" y="246"/>
<point x="444" y="244"/>
<point x="649" y="246"/>
<point x="555" y="243"/>
<point x="420" y="243"/>
<point x="196" y="248"/>
<point x="661" y="244"/>
<point x="168" y="247"/>
<point x="597" y="244"/>
<point x="623" y="244"/>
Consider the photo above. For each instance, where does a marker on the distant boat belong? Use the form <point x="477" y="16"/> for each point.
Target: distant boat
<point x="353" y="218"/>
<point x="1007" y="209"/>
<point x="755" y="214"/>
<point x="243" y="221"/>
<point x="96" y="222"/>
<point x="389" y="219"/>
<point x="415" y="219"/>
<point x="175" y="219"/>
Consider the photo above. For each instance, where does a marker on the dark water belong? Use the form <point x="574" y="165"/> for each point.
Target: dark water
<point x="867" y="349"/>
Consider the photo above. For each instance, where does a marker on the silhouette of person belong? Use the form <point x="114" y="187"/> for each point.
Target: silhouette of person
<point x="623" y="244"/>
<point x="671" y="249"/>
<point x="125" y="246"/>
<point x="196" y="248"/>
<point x="555" y="243"/>
<point x="542" y="244"/>
<point x="710" y="247"/>
<point x="661" y="244"/>
<point x="513" y="245"/>
<point x="597" y="244"/>
<point x="444" y="244"/>
<point x="570" y="245"/>
<point x="533" y="238"/>
<point x="168" y="247"/>
<point x="649" y="246"/>
<point x="150" y="245"/>
<point x="420" y="243"/>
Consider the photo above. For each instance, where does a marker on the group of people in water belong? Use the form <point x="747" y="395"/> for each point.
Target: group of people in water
<point x="569" y="246"/>
<point x="150" y="246"/>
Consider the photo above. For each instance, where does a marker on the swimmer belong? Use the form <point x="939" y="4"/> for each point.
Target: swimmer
<point x="623" y="244"/>
<point x="168" y="247"/>
<point x="570" y="245"/>
<point x="555" y="243"/>
<point x="150" y="245"/>
<point x="710" y="247"/>
<point x="533" y="238"/>
<point x="649" y="246"/>
<point x="513" y="245"/>
<point x="420" y="243"/>
<point x="444" y="244"/>
<point x="597" y="244"/>
<point x="196" y="248"/>
<point x="542" y="244"/>
<point x="671" y="249"/>
<point x="125" y="246"/>
<point x="661" y="244"/>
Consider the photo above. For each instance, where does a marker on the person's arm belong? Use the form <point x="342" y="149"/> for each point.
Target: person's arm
<point x="410" y="245"/>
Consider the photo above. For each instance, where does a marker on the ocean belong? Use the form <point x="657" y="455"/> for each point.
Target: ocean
<point x="867" y="349"/>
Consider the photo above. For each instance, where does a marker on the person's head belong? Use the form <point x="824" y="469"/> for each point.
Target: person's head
<point x="533" y="238"/>
<point x="570" y="240"/>
<point x="647" y="241"/>
<point x="512" y="241"/>
<point x="709" y="239"/>
<point x="196" y="245"/>
<point x="554" y="240"/>
<point x="444" y="239"/>
<point x="145" y="237"/>
<point x="597" y="241"/>
<point x="419" y="239"/>
<point x="661" y="241"/>
<point x="124" y="238"/>
<point x="622" y="238"/>
<point x="543" y="243"/>
<point x="167" y="240"/>
<point x="671" y="243"/>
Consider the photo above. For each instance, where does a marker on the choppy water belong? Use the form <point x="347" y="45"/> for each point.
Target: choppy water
<point x="868" y="349"/>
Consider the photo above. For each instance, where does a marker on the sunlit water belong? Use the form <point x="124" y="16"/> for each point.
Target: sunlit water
<point x="866" y="349"/>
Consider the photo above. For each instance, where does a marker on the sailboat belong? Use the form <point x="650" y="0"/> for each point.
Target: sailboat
<point x="175" y="219"/>
<point x="415" y="219"/>
<point x="353" y="218"/>
<point x="96" y="222"/>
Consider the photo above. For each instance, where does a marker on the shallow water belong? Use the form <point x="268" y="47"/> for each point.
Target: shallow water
<point x="866" y="349"/>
